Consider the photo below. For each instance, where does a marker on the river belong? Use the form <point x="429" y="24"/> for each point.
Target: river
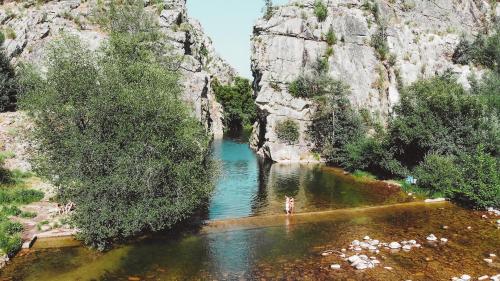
<point x="248" y="237"/>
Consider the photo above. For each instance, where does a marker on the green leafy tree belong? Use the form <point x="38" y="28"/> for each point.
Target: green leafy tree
<point x="438" y="174"/>
<point x="439" y="115"/>
<point x="239" y="106"/>
<point x="113" y="133"/>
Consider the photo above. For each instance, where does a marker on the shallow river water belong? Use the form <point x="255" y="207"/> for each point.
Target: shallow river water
<point x="247" y="236"/>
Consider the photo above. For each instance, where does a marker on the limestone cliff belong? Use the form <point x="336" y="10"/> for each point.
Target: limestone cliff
<point x="421" y="36"/>
<point x="29" y="26"/>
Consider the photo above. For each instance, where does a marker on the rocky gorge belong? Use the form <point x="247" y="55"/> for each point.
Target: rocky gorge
<point x="421" y="37"/>
<point x="29" y="26"/>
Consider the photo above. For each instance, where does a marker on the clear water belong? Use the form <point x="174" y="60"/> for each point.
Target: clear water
<point x="249" y="186"/>
<point x="249" y="237"/>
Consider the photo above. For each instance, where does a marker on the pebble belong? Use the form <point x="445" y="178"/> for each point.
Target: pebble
<point x="406" y="247"/>
<point x="366" y="238"/>
<point x="469" y="227"/>
<point x="484" y="216"/>
<point x="372" y="248"/>
<point x="355" y="243"/>
<point x="465" y="277"/>
<point x="488" y="260"/>
<point x="492" y="255"/>
<point x="394" y="245"/>
<point x="357" y="249"/>
<point x="374" y="242"/>
<point x="343" y="250"/>
<point x="484" y="277"/>
<point x="445" y="227"/>
<point x="335" y="266"/>
<point x="431" y="237"/>
<point x="388" y="267"/>
<point x="444" y="240"/>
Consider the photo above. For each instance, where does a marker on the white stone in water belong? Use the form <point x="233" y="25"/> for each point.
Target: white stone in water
<point x="377" y="251"/>
<point x="363" y="257"/>
<point x="355" y="243"/>
<point x="374" y="242"/>
<point x="327" y="253"/>
<point x="406" y="247"/>
<point x="484" y="277"/>
<point x="469" y="227"/>
<point x="488" y="260"/>
<point x="492" y="255"/>
<point x="354" y="258"/>
<point x="445" y="227"/>
<point x="361" y="266"/>
<point x="335" y="266"/>
<point x="357" y="249"/>
<point x="412" y="242"/>
<point x="465" y="277"/>
<point x="394" y="245"/>
<point x="444" y="240"/>
<point x="431" y="237"/>
<point x="375" y="261"/>
<point x="364" y="245"/>
<point x="372" y="248"/>
<point x="343" y="250"/>
<point x="495" y="277"/>
<point x="342" y="255"/>
<point x="484" y="216"/>
<point x="388" y="267"/>
<point x="366" y="237"/>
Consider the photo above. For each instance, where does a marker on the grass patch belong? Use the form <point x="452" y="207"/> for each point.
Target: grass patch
<point x="418" y="191"/>
<point x="362" y="175"/>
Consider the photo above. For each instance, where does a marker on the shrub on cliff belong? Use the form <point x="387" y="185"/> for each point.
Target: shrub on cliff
<point x="114" y="135"/>
<point x="287" y="131"/>
<point x="239" y="106"/>
<point x="8" y="84"/>
<point x="320" y="10"/>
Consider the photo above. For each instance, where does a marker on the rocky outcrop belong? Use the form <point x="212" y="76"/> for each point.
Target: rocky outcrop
<point x="30" y="26"/>
<point x="421" y="36"/>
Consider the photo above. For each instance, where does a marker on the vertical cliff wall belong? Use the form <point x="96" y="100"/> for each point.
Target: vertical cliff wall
<point x="29" y="26"/>
<point x="421" y="36"/>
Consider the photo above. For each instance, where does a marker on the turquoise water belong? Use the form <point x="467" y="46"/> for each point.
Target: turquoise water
<point x="249" y="186"/>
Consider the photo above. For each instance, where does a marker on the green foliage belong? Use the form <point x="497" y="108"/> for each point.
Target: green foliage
<point x="438" y="173"/>
<point x="331" y="38"/>
<point x="10" y="244"/>
<point x="320" y="10"/>
<point x="18" y="195"/>
<point x="485" y="50"/>
<point x="287" y="131"/>
<point x="8" y="84"/>
<point x="438" y="115"/>
<point x="379" y="42"/>
<point x="480" y="185"/>
<point x="364" y="175"/>
<point x="268" y="9"/>
<point x="313" y="83"/>
<point x="115" y="136"/>
<point x="2" y="38"/>
<point x="487" y="90"/>
<point x="239" y="107"/>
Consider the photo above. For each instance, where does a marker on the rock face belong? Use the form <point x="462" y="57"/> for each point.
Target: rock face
<point x="421" y="36"/>
<point x="29" y="27"/>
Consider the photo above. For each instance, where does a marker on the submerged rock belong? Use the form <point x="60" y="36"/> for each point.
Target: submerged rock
<point x="431" y="238"/>
<point x="394" y="245"/>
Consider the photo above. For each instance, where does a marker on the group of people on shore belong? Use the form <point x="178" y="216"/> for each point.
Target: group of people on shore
<point x="289" y="205"/>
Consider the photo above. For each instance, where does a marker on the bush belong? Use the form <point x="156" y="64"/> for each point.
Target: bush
<point x="485" y="50"/>
<point x="438" y="174"/>
<point x="8" y="84"/>
<point x="114" y="134"/>
<point x="239" y="106"/>
<point x="268" y="9"/>
<point x="320" y="10"/>
<point x="313" y="83"/>
<point x="18" y="195"/>
<point x="438" y="115"/>
<point x="379" y="43"/>
<point x="10" y="244"/>
<point x="480" y="185"/>
<point x="287" y="131"/>
<point x="331" y="38"/>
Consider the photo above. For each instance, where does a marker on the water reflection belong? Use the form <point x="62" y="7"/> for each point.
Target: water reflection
<point x="250" y="186"/>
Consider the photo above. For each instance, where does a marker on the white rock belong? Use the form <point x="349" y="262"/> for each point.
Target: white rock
<point x="444" y="240"/>
<point x="372" y="248"/>
<point x="343" y="250"/>
<point x="388" y="267"/>
<point x="469" y="227"/>
<point x="374" y="242"/>
<point x="366" y="238"/>
<point x="335" y="266"/>
<point x="434" y="200"/>
<point x="394" y="245"/>
<point x="354" y="258"/>
<point x="412" y="242"/>
<point x="488" y="260"/>
<point x="357" y="249"/>
<point x="355" y="243"/>
<point x="484" y="277"/>
<point x="465" y="277"/>
<point x="492" y="255"/>
<point x="406" y="247"/>
<point x="361" y="266"/>
<point x="431" y="237"/>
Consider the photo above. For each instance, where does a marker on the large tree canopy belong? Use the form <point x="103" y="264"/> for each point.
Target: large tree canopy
<point x="114" y="135"/>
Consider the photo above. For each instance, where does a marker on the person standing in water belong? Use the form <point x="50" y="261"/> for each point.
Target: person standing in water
<point x="287" y="205"/>
<point x="292" y="205"/>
